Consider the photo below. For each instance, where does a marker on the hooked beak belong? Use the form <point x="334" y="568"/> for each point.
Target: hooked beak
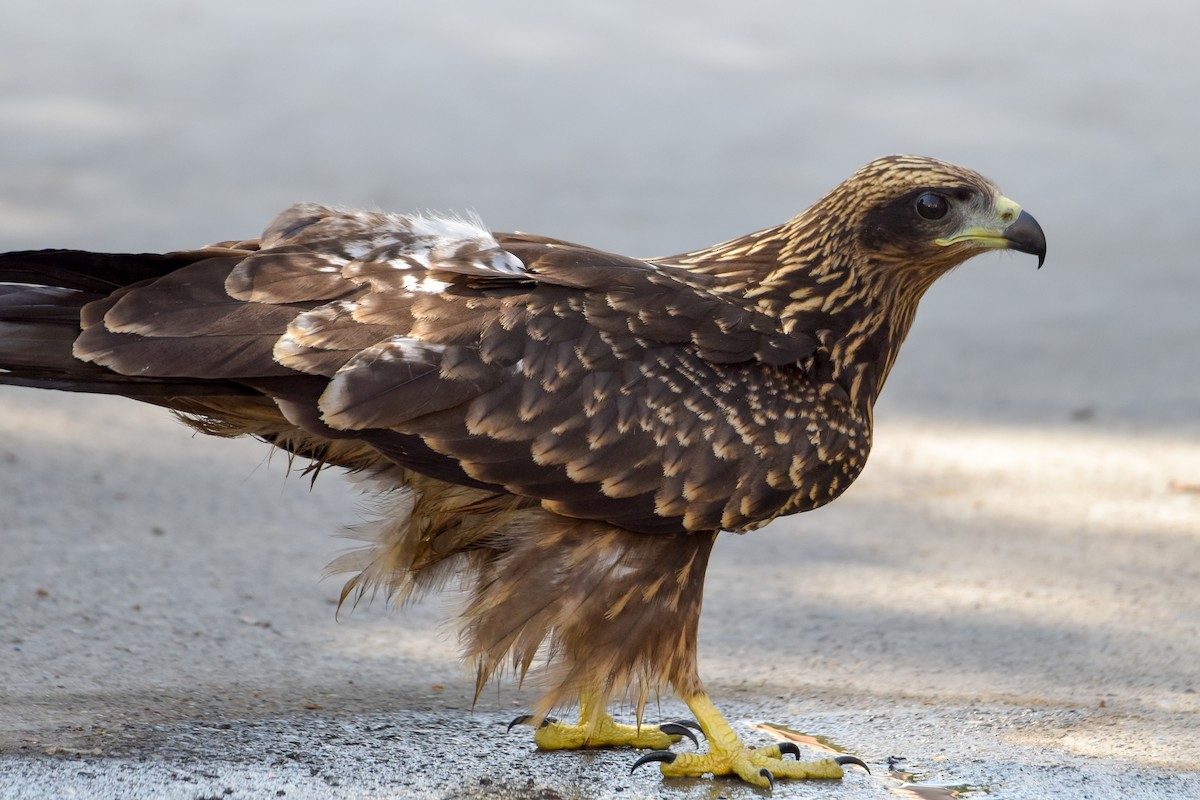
<point x="1026" y="236"/>
<point x="1010" y="228"/>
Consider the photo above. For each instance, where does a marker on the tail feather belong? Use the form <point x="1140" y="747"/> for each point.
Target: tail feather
<point x="37" y="327"/>
<point x="95" y="272"/>
<point x="42" y="295"/>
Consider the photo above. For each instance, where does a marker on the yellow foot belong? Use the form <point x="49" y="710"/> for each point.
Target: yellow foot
<point x="761" y="766"/>
<point x="727" y="755"/>
<point x="601" y="730"/>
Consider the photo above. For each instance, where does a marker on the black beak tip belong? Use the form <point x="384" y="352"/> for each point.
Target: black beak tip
<point x="1025" y="235"/>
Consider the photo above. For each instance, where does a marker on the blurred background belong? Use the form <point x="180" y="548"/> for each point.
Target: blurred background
<point x="1038" y="449"/>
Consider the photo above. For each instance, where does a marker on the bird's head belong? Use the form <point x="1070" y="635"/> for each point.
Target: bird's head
<point x="922" y="214"/>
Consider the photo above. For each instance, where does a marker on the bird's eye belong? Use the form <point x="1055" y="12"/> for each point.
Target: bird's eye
<point x="932" y="206"/>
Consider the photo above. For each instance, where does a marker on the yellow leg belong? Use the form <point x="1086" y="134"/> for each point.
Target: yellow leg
<point x="728" y="756"/>
<point x="596" y="728"/>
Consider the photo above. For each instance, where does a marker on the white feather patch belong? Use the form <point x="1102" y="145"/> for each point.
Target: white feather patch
<point x="407" y="242"/>
<point x="425" y="285"/>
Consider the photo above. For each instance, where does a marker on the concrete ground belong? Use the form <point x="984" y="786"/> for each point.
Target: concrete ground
<point x="1006" y="604"/>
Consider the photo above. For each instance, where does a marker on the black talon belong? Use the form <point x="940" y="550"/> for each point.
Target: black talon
<point x="690" y="723"/>
<point x="666" y="756"/>
<point x="789" y="747"/>
<point x="858" y="762"/>
<point x="679" y="729"/>
<point x="525" y="718"/>
<point x="766" y="773"/>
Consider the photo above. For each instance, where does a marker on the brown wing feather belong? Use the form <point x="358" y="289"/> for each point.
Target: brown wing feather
<point x="609" y="388"/>
<point x="534" y="411"/>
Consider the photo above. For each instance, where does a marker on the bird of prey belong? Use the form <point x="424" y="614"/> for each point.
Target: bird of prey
<point x="562" y="430"/>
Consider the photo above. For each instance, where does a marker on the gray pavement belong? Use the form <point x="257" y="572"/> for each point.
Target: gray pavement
<point x="1006" y="604"/>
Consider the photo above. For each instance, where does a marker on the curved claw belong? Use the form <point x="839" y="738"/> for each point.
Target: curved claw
<point x="789" y="747"/>
<point x="858" y="762"/>
<point x="666" y="756"/>
<point x="690" y="723"/>
<point x="766" y="773"/>
<point x="679" y="729"/>
<point x="527" y="719"/>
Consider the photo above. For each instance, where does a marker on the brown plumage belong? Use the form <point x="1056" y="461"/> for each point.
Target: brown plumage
<point x="561" y="429"/>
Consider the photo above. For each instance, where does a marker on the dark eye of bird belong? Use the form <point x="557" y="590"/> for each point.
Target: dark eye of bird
<point x="932" y="206"/>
